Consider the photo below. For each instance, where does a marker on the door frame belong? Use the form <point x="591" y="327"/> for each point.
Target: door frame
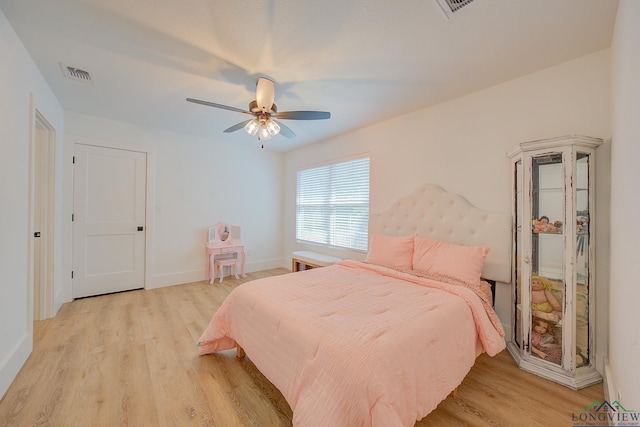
<point x="47" y="260"/>
<point x="150" y="195"/>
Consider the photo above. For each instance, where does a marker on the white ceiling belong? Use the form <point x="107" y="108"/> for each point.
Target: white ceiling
<point x="362" y="60"/>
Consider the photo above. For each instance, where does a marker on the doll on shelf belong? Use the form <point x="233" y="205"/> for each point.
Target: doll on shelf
<point x="542" y="225"/>
<point x="557" y="227"/>
<point x="544" y="304"/>
<point x="582" y="231"/>
<point x="543" y="343"/>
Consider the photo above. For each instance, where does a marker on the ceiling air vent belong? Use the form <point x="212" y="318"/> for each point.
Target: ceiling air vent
<point x="449" y="7"/>
<point x="77" y="74"/>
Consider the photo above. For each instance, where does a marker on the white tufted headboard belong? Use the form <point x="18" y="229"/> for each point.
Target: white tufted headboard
<point x="432" y="212"/>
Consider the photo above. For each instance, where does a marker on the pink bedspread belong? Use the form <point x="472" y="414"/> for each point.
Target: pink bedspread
<point x="356" y="344"/>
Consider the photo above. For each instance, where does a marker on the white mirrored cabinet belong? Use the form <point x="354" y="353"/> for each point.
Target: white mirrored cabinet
<point x="553" y="258"/>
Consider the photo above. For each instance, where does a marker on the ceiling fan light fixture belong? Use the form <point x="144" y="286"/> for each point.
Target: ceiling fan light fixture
<point x="272" y="127"/>
<point x="252" y="127"/>
<point x="264" y="133"/>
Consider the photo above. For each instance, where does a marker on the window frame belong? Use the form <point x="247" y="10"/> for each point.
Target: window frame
<point x="331" y="239"/>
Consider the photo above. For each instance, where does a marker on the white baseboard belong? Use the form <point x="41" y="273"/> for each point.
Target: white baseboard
<point x="58" y="301"/>
<point x="268" y="264"/>
<point x="14" y="361"/>
<point x="162" y="280"/>
<point x="171" y="279"/>
<point x="610" y="393"/>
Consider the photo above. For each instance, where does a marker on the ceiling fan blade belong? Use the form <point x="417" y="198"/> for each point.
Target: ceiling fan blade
<point x="237" y="126"/>
<point x="265" y="94"/>
<point x="284" y="130"/>
<point x="303" y="115"/>
<point x="224" y="107"/>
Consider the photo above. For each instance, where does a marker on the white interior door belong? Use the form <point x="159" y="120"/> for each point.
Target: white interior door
<point x="42" y="223"/>
<point x="109" y="190"/>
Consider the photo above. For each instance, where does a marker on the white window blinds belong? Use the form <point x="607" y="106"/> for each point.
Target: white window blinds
<point x="332" y="204"/>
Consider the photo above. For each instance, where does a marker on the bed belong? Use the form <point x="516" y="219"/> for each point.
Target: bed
<point x="380" y="342"/>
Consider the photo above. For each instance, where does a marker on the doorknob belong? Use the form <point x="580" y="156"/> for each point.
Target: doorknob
<point x="36" y="234"/>
<point x="140" y="228"/>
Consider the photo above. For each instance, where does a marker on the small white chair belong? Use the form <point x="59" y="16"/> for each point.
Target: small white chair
<point x="220" y="263"/>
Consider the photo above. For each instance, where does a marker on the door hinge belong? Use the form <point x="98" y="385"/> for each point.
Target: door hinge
<point x="72" y="274"/>
<point x="73" y="217"/>
<point x="73" y="160"/>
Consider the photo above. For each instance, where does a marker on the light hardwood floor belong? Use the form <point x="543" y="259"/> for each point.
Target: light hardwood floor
<point x="130" y="359"/>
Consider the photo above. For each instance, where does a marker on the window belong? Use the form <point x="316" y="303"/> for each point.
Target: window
<point x="332" y="204"/>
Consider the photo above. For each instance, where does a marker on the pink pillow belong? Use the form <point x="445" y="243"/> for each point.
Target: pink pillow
<point x="390" y="251"/>
<point x="462" y="262"/>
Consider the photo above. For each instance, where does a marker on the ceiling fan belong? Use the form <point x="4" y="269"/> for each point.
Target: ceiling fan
<point x="265" y="113"/>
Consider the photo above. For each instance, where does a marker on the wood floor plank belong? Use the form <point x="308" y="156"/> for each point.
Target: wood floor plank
<point x="130" y="359"/>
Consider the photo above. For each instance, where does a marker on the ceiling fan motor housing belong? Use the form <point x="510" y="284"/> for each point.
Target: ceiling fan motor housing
<point x="253" y="107"/>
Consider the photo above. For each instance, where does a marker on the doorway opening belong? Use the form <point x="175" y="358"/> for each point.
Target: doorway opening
<point x="42" y="217"/>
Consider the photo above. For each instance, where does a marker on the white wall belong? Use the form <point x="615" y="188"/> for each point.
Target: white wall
<point x="461" y="145"/>
<point x="195" y="183"/>
<point x="20" y="81"/>
<point x="624" y="338"/>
